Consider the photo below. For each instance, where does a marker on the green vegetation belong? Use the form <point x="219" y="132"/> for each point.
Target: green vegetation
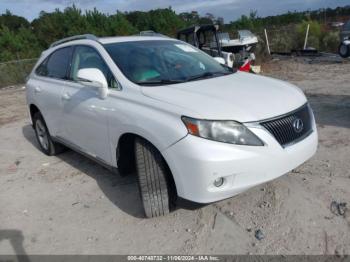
<point x="315" y="33"/>
<point x="287" y="31"/>
<point x="13" y="73"/>
<point x="255" y="23"/>
<point x="21" y="39"/>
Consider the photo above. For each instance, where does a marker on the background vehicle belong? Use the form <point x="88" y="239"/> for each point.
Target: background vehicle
<point x="236" y="53"/>
<point x="205" y="38"/>
<point x="242" y="48"/>
<point x="246" y="41"/>
<point x="344" y="47"/>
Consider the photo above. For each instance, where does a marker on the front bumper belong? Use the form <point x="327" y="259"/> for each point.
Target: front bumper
<point x="196" y="162"/>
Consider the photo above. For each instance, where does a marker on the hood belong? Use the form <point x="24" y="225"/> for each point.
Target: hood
<point x="243" y="97"/>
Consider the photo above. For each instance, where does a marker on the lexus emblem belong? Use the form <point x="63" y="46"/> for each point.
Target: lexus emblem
<point x="298" y="125"/>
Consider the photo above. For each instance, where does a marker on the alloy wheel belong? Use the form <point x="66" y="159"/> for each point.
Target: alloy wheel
<point x="42" y="134"/>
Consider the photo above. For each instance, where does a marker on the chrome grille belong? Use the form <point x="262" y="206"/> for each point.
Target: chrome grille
<point x="284" y="128"/>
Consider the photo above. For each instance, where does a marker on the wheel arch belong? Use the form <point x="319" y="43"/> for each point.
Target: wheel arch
<point x="33" y="109"/>
<point x="125" y="156"/>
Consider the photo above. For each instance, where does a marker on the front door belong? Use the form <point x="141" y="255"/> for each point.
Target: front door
<point x="85" y="116"/>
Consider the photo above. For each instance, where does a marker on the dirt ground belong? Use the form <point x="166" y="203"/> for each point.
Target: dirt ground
<point x="70" y="205"/>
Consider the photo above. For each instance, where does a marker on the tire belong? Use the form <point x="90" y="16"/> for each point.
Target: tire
<point x="125" y="167"/>
<point x="47" y="145"/>
<point x="153" y="179"/>
<point x="344" y="50"/>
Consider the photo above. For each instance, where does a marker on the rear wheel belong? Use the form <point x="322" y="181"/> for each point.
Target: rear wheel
<point x="344" y="50"/>
<point x="47" y="145"/>
<point x="153" y="178"/>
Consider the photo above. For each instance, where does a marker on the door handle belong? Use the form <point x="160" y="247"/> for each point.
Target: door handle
<point x="66" y="96"/>
<point x="37" y="90"/>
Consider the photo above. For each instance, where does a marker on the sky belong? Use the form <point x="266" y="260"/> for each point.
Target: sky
<point x="228" y="9"/>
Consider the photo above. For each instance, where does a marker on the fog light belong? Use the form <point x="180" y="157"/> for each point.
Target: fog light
<point x="219" y="182"/>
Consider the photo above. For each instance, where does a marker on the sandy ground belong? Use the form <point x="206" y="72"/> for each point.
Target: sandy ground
<point x="70" y="205"/>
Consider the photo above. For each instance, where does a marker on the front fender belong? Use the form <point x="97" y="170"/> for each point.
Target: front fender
<point x="158" y="125"/>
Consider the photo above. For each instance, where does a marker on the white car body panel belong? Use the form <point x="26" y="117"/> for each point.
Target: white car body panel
<point x="46" y="93"/>
<point x="239" y="42"/>
<point x="241" y="97"/>
<point x="84" y="120"/>
<point x="203" y="161"/>
<point x="95" y="125"/>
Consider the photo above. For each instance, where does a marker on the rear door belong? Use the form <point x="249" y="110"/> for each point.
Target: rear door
<point x="48" y="83"/>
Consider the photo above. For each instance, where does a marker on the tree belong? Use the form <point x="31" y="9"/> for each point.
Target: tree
<point x="120" y="25"/>
<point x="210" y="16"/>
<point x="220" y="21"/>
<point x="20" y="44"/>
<point x="139" y="20"/>
<point x="21" y="39"/>
<point x="13" y="22"/>
<point x="164" y="21"/>
<point x="190" y="18"/>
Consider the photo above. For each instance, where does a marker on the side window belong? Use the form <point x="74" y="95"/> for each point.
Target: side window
<point x="41" y="70"/>
<point x="88" y="57"/>
<point x="57" y="64"/>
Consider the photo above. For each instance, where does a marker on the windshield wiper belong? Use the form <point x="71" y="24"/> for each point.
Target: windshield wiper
<point x="160" y="82"/>
<point x="176" y="81"/>
<point x="206" y="75"/>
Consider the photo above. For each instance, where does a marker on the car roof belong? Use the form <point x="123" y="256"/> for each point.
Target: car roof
<point x="104" y="40"/>
<point x="118" y="39"/>
<point x="109" y="40"/>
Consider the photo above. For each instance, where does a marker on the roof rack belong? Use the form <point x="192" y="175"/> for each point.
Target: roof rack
<point x="76" y="37"/>
<point x="151" y="33"/>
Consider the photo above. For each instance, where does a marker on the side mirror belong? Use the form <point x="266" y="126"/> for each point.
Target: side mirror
<point x="220" y="60"/>
<point x="93" y="77"/>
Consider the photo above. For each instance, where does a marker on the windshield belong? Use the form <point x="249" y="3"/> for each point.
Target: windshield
<point x="163" y="62"/>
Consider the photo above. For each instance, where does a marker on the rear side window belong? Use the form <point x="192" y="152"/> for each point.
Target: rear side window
<point x="57" y="64"/>
<point x="41" y="70"/>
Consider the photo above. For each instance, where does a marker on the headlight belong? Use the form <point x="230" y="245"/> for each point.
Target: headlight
<point x="230" y="132"/>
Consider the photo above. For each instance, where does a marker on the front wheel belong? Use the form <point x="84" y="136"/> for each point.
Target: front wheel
<point x="153" y="179"/>
<point x="344" y="50"/>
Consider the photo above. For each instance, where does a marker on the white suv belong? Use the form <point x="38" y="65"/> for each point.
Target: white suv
<point x="190" y="127"/>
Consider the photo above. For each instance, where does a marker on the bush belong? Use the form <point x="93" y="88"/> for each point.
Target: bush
<point x="22" y="43"/>
<point x="315" y="34"/>
<point x="330" y="42"/>
<point x="12" y="73"/>
<point x="261" y="51"/>
<point x="282" y="42"/>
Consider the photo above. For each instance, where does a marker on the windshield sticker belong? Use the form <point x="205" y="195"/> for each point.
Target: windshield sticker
<point x="186" y="48"/>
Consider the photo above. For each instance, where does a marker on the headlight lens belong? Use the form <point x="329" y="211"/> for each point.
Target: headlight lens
<point x="230" y="132"/>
